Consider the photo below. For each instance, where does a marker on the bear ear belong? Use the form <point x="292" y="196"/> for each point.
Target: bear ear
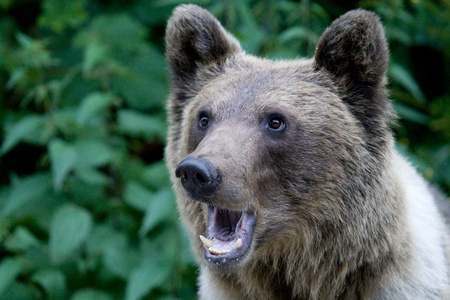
<point x="194" y="39"/>
<point x="353" y="50"/>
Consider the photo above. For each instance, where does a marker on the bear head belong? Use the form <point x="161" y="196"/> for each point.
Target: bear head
<point x="265" y="152"/>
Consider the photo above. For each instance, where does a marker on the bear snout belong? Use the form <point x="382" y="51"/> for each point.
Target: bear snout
<point x="198" y="177"/>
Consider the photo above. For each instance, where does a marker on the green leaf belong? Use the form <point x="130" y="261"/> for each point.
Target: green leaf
<point x="69" y="228"/>
<point x="144" y="67"/>
<point x="114" y="30"/>
<point x="33" y="53"/>
<point x="137" y="196"/>
<point x="24" y="40"/>
<point x="26" y="193"/>
<point x="161" y="207"/>
<point x="253" y="34"/>
<point x="60" y="14"/>
<point x="63" y="158"/>
<point x="94" y="53"/>
<point x="92" y="195"/>
<point x="91" y="175"/>
<point x="53" y="282"/>
<point x="21" y="239"/>
<point x="92" y="152"/>
<point x="9" y="270"/>
<point x="404" y="78"/>
<point x="410" y="114"/>
<point x="91" y="294"/>
<point x="83" y="156"/>
<point x="157" y="175"/>
<point x="92" y="105"/>
<point x="143" y="279"/>
<point x="21" y="291"/>
<point x="138" y="124"/>
<point x="64" y="119"/>
<point x="298" y="32"/>
<point x="101" y="238"/>
<point x="36" y="258"/>
<point x="120" y="258"/>
<point x="16" y="76"/>
<point x="32" y="125"/>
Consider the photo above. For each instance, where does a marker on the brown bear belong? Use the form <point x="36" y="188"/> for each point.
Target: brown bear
<point x="286" y="174"/>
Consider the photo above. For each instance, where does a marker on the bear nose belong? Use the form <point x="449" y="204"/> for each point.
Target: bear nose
<point x="198" y="176"/>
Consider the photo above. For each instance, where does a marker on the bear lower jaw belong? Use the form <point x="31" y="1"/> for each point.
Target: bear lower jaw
<point x="229" y="236"/>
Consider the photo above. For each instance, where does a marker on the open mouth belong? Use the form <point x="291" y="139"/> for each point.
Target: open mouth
<point x="228" y="236"/>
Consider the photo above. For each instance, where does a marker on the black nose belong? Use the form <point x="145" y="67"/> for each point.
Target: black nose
<point x="198" y="176"/>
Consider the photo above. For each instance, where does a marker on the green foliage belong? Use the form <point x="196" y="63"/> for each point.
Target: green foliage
<point x="86" y="210"/>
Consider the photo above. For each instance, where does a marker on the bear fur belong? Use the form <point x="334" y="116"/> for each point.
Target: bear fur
<point x="288" y="169"/>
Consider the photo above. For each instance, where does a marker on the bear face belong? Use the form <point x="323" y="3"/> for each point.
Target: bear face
<point x="274" y="149"/>
<point x="266" y="150"/>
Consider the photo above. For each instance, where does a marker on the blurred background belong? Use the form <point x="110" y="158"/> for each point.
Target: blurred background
<point x="86" y="210"/>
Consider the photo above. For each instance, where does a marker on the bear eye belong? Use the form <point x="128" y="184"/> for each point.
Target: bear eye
<point x="276" y="123"/>
<point x="203" y="122"/>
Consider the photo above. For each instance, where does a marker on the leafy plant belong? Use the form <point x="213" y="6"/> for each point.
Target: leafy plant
<point x="86" y="208"/>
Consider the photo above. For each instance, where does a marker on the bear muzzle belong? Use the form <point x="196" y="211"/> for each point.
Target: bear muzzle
<point x="229" y="233"/>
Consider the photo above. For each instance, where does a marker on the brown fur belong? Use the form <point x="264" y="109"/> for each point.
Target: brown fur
<point x="331" y="212"/>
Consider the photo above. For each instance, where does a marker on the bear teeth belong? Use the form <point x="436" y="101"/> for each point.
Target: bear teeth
<point x="218" y="251"/>
<point x="206" y="242"/>
<point x="209" y="244"/>
<point x="237" y="243"/>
